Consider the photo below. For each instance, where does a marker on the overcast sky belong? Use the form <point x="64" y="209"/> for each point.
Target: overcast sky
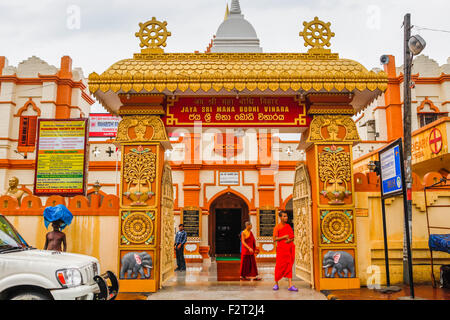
<point x="97" y="33"/>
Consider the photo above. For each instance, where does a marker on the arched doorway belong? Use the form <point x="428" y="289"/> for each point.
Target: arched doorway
<point x="227" y="217"/>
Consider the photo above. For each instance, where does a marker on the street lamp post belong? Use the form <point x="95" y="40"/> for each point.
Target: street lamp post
<point x="412" y="46"/>
<point x="407" y="143"/>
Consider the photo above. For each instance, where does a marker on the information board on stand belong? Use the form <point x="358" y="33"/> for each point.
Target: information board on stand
<point x="61" y="158"/>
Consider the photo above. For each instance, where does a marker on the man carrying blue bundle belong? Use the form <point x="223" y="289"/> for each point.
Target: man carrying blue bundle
<point x="60" y="217"/>
<point x="55" y="238"/>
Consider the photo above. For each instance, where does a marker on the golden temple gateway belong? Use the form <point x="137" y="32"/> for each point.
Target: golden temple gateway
<point x="328" y="89"/>
<point x="218" y="138"/>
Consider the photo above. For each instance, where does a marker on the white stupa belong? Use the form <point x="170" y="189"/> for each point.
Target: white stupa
<point x="236" y="34"/>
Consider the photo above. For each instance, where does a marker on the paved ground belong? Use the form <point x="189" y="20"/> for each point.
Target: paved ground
<point x="421" y="291"/>
<point x="199" y="283"/>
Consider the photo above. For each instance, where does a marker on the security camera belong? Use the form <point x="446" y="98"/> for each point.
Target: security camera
<point x="416" y="44"/>
<point x="384" y="59"/>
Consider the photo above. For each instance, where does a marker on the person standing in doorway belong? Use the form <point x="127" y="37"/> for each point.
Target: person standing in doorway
<point x="283" y="236"/>
<point x="249" y="270"/>
<point x="180" y="241"/>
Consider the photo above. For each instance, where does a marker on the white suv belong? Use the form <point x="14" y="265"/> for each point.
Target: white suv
<point x="30" y="274"/>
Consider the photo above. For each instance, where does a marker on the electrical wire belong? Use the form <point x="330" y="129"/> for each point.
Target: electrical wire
<point x="430" y="29"/>
<point x="23" y="90"/>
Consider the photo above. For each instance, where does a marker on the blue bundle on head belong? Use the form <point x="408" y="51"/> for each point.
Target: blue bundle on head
<point x="57" y="213"/>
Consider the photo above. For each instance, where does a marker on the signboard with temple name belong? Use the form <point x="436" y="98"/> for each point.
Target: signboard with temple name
<point x="236" y="111"/>
<point x="103" y="125"/>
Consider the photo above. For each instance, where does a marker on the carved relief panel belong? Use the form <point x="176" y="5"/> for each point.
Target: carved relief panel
<point x="337" y="227"/>
<point x="139" y="175"/>
<point x="337" y="128"/>
<point x="138" y="228"/>
<point x="335" y="174"/>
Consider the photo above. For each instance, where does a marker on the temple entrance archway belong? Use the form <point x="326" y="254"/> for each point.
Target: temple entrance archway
<point x="315" y="93"/>
<point x="227" y="217"/>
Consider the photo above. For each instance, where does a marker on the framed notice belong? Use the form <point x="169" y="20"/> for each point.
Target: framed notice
<point x="61" y="157"/>
<point x="229" y="178"/>
<point x="267" y="220"/>
<point x="191" y="221"/>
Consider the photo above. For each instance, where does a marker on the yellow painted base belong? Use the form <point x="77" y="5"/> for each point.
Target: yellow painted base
<point x="339" y="283"/>
<point x="137" y="286"/>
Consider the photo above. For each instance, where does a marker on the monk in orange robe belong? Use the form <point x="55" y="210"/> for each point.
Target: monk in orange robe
<point x="249" y="271"/>
<point x="283" y="236"/>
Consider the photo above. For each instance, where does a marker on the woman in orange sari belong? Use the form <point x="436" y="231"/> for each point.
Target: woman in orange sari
<point x="249" y="271"/>
<point x="283" y="236"/>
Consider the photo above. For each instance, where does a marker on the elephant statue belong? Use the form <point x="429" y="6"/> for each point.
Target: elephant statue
<point x="135" y="263"/>
<point x="340" y="262"/>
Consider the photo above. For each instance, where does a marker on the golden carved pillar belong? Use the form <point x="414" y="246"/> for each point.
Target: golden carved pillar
<point x="144" y="195"/>
<point x="329" y="143"/>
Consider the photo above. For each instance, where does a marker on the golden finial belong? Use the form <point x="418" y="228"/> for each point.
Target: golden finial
<point x="317" y="34"/>
<point x="153" y="35"/>
<point x="97" y="186"/>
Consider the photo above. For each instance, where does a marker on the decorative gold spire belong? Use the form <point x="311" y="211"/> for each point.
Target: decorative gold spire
<point x="227" y="12"/>
<point x="317" y="34"/>
<point x="153" y="35"/>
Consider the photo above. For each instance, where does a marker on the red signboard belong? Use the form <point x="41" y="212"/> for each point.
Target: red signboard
<point x="103" y="125"/>
<point x="231" y="111"/>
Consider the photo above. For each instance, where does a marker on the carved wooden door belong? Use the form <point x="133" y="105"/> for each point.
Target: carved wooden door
<point x="303" y="225"/>
<point x="167" y="226"/>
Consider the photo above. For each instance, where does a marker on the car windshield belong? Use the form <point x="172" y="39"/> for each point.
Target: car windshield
<point x="9" y="237"/>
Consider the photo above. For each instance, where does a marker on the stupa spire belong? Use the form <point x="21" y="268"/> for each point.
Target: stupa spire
<point x="235" y="34"/>
<point x="227" y="12"/>
<point x="235" y="7"/>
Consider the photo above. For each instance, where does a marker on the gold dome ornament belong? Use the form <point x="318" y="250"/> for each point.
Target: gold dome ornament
<point x="317" y="34"/>
<point x="153" y="35"/>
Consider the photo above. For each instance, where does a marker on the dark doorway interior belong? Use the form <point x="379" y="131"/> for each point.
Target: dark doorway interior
<point x="227" y="217"/>
<point x="228" y="228"/>
<point x="290" y="211"/>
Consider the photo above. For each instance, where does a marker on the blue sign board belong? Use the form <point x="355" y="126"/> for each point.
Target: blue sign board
<point x="391" y="171"/>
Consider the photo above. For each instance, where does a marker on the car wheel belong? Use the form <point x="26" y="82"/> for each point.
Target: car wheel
<point x="29" y="296"/>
